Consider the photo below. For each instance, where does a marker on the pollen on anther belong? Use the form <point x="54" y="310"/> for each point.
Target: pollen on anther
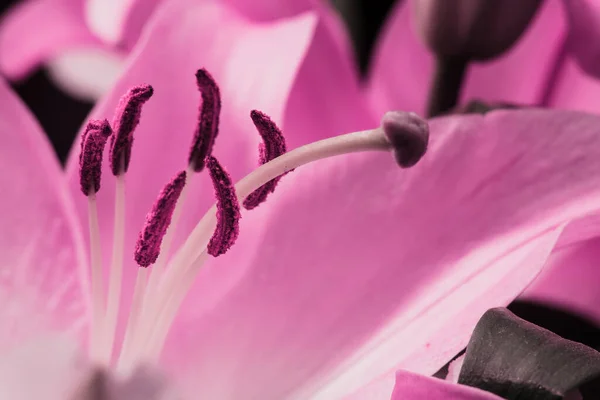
<point x="157" y="222"/>
<point x="408" y="134"/>
<point x="208" y="121"/>
<point x="127" y="118"/>
<point x="93" y="142"/>
<point x="273" y="146"/>
<point x="228" y="210"/>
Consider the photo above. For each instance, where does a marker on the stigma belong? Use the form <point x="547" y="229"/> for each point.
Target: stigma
<point x="165" y="276"/>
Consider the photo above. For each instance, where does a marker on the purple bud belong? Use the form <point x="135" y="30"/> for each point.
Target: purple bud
<point x="126" y="120"/>
<point x="93" y="141"/>
<point x="157" y="222"/>
<point x="408" y="134"/>
<point x="472" y="29"/>
<point x="273" y="146"/>
<point x="228" y="210"/>
<point x="208" y="121"/>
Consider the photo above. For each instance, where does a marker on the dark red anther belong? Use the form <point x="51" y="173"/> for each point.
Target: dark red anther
<point x="127" y="118"/>
<point x="208" y="121"/>
<point x="228" y="210"/>
<point x="157" y="222"/>
<point x="93" y="141"/>
<point x="408" y="134"/>
<point x="273" y="146"/>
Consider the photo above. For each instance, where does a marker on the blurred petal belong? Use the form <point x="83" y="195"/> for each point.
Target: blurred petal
<point x="36" y="30"/>
<point x="42" y="259"/>
<point x="571" y="280"/>
<point x="411" y="386"/>
<point x="86" y="73"/>
<point x="575" y="90"/>
<point x="268" y="10"/>
<point x="354" y="259"/>
<point x="520" y="76"/>
<point x="584" y="33"/>
<point x="47" y="368"/>
<point x="255" y="66"/>
<point x="119" y="22"/>
<point x="326" y="98"/>
<point x="401" y="67"/>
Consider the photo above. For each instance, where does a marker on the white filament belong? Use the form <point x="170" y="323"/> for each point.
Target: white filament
<point x="97" y="285"/>
<point x="116" y="270"/>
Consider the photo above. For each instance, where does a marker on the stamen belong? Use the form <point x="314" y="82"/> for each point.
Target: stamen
<point x="189" y="260"/>
<point x="126" y="120"/>
<point x="273" y="146"/>
<point x="228" y="210"/>
<point x="408" y="133"/>
<point x="208" y="124"/>
<point x="93" y="141"/>
<point x="157" y="222"/>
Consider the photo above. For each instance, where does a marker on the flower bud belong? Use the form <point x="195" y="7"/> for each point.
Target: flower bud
<point x="472" y="29"/>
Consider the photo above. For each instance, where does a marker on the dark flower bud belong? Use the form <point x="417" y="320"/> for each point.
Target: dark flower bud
<point x="472" y="29"/>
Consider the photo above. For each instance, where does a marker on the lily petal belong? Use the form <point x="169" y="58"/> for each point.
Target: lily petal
<point x="42" y="259"/>
<point x="411" y="386"/>
<point x="352" y="258"/>
<point x="118" y="22"/>
<point x="584" y="33"/>
<point x="326" y="98"/>
<point x="254" y="64"/>
<point x="520" y="76"/>
<point x="48" y="367"/>
<point x="34" y="31"/>
<point x="571" y="280"/>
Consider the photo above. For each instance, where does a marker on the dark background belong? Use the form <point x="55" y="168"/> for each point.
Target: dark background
<point x="61" y="117"/>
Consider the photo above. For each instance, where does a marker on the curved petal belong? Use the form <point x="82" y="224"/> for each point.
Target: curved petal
<point x="36" y="30"/>
<point x="575" y="90"/>
<point x="53" y="363"/>
<point x="520" y="76"/>
<point x="326" y="98"/>
<point x="354" y="259"/>
<point x="411" y="386"/>
<point x="254" y="65"/>
<point x="119" y="22"/>
<point x="41" y="253"/>
<point x="584" y="33"/>
<point x="571" y="280"/>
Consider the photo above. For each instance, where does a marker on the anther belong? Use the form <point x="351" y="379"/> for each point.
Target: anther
<point x="408" y="134"/>
<point x="93" y="141"/>
<point x="127" y="118"/>
<point x="273" y="146"/>
<point x="208" y="121"/>
<point x="157" y="222"/>
<point x="228" y="210"/>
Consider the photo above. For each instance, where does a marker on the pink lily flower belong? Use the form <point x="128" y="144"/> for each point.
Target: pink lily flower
<point x="351" y="269"/>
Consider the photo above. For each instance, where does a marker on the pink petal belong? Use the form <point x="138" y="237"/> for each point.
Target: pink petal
<point x="584" y="33"/>
<point x="36" y="30"/>
<point x="119" y="22"/>
<point x="574" y="89"/>
<point x="41" y="250"/>
<point x="571" y="280"/>
<point x="353" y="259"/>
<point x="254" y="65"/>
<point x="46" y="367"/>
<point x="411" y="386"/>
<point x="402" y="66"/>
<point x="521" y="75"/>
<point x="326" y="98"/>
